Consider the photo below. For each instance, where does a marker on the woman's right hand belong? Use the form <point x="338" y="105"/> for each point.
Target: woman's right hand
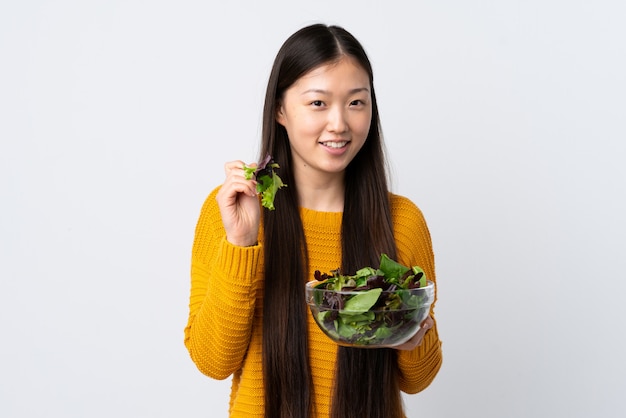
<point x="239" y="206"/>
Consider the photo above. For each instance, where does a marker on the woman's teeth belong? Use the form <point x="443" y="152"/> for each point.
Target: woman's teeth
<point x="340" y="144"/>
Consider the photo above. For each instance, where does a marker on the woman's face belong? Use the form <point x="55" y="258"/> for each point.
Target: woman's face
<point x="327" y="114"/>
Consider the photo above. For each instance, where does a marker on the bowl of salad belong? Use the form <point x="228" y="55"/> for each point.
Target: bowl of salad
<point x="373" y="308"/>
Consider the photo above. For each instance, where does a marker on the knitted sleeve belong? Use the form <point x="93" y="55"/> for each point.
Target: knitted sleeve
<point x="224" y="280"/>
<point x="418" y="367"/>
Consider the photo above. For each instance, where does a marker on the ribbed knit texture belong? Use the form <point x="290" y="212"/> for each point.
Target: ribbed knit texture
<point x="224" y="335"/>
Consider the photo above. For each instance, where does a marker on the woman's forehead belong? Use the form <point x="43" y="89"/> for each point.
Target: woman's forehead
<point x="345" y="70"/>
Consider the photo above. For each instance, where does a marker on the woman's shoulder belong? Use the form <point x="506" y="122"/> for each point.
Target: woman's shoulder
<point x="209" y="217"/>
<point x="209" y="201"/>
<point x="406" y="214"/>
<point x="411" y="233"/>
<point x="400" y="203"/>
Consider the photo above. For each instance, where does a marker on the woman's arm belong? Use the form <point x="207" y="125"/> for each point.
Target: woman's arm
<point x="224" y="281"/>
<point x="420" y="365"/>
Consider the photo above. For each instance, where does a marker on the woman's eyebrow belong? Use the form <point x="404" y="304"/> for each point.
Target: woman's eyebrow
<point x="322" y="91"/>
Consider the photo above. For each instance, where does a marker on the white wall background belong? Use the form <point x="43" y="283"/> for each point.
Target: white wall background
<point x="505" y="122"/>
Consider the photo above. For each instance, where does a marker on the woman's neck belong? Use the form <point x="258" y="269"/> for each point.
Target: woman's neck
<point x="323" y="194"/>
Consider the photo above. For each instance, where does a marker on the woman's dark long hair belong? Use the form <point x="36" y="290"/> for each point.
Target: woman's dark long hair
<point x="369" y="391"/>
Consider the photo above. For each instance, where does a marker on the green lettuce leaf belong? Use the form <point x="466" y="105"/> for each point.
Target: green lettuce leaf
<point x="268" y="182"/>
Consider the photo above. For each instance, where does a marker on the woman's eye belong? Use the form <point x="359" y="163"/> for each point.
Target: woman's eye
<point x="317" y="103"/>
<point x="357" y="102"/>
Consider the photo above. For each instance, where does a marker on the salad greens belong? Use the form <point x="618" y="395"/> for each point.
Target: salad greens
<point x="268" y="182"/>
<point x="374" y="306"/>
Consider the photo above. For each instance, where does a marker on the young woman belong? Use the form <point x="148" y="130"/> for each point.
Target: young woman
<point x="247" y="313"/>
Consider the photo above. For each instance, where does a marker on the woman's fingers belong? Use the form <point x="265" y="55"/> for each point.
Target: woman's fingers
<point x="239" y="205"/>
<point x="416" y="340"/>
<point x="233" y="166"/>
<point x="236" y="167"/>
<point x="235" y="184"/>
<point x="236" y="181"/>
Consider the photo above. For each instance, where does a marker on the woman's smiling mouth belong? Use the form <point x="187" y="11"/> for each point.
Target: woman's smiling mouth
<point x="334" y="144"/>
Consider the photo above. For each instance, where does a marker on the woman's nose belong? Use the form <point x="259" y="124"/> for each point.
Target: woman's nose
<point x="337" y="121"/>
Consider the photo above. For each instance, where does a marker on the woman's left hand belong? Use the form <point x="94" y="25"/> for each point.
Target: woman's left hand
<point x="416" y="340"/>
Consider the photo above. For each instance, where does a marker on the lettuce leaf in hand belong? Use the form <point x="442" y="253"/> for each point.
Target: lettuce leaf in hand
<point x="268" y="182"/>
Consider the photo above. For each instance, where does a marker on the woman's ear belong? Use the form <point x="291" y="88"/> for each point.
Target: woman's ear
<point x="280" y="114"/>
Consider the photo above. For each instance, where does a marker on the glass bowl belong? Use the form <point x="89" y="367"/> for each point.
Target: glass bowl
<point x="392" y="319"/>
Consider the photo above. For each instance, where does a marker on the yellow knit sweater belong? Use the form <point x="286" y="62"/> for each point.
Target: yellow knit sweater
<point x="223" y="334"/>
